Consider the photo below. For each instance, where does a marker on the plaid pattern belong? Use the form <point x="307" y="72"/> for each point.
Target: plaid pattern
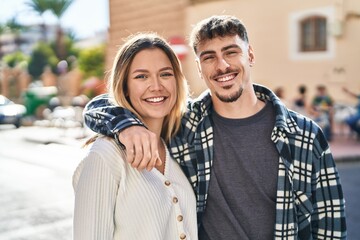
<point x="310" y="202"/>
<point x="103" y="117"/>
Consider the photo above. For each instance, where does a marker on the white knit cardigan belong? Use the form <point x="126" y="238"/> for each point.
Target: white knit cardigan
<point x="115" y="201"/>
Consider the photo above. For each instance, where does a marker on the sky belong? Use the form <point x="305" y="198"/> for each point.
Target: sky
<point x="84" y="17"/>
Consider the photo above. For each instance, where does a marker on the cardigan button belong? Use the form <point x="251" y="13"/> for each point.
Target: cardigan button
<point x="175" y="200"/>
<point x="167" y="183"/>
<point x="182" y="236"/>
<point x="180" y="218"/>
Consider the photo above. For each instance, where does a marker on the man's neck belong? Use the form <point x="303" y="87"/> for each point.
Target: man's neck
<point x="247" y="105"/>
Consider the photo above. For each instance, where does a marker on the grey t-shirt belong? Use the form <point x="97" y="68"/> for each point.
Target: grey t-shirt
<point x="242" y="191"/>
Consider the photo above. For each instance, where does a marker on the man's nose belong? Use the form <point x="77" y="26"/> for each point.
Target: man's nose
<point x="222" y="64"/>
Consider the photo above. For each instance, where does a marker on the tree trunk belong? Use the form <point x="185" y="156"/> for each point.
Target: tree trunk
<point x="60" y="44"/>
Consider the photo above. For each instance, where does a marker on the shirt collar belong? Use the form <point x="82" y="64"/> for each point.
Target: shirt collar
<point x="284" y="119"/>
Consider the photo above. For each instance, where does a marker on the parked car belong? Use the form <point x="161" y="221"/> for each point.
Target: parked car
<point x="10" y="112"/>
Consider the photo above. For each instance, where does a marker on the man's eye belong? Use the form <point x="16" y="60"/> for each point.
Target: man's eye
<point x="207" y="58"/>
<point x="231" y="53"/>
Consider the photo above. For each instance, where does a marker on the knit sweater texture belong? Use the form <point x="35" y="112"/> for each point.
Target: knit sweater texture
<point x="115" y="201"/>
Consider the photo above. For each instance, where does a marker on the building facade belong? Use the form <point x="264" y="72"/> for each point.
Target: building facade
<point x="295" y="42"/>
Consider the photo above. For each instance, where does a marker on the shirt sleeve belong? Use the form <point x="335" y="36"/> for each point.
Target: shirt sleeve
<point x="101" y="116"/>
<point x="328" y="219"/>
<point x="196" y="110"/>
<point x="95" y="198"/>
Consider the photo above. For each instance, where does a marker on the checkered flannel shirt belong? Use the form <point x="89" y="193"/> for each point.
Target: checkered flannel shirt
<point x="309" y="201"/>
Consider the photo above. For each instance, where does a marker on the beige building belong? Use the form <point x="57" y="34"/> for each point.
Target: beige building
<point x="295" y="42"/>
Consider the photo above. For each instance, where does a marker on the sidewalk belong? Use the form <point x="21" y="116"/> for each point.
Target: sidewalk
<point x="345" y="148"/>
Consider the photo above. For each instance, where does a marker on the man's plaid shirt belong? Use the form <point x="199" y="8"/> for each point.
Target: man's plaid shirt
<point x="309" y="202"/>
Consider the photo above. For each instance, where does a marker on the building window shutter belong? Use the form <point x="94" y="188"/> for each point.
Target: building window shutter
<point x="313" y="34"/>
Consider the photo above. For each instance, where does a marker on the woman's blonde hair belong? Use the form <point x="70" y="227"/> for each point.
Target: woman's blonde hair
<point x="117" y="84"/>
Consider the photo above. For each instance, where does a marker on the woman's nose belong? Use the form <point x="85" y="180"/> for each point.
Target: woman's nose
<point x="155" y="84"/>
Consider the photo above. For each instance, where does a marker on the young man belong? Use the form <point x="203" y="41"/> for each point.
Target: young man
<point x="259" y="170"/>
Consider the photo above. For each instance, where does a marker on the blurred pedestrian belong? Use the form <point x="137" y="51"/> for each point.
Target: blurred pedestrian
<point x="300" y="103"/>
<point x="322" y="110"/>
<point x="112" y="199"/>
<point x="280" y="93"/>
<point x="353" y="121"/>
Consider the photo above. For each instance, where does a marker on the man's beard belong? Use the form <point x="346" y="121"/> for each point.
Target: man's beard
<point x="230" y="98"/>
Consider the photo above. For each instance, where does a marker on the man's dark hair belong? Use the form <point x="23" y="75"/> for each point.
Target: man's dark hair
<point x="217" y="26"/>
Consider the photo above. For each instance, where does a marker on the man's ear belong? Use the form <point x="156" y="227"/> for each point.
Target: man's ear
<point x="251" y="56"/>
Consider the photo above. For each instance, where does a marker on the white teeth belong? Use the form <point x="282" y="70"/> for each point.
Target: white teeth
<point x="156" y="99"/>
<point x="224" y="79"/>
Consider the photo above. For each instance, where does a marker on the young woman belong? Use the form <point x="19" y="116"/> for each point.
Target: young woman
<point x="113" y="200"/>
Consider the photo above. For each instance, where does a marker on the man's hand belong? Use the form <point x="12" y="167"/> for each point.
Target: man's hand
<point x="141" y="147"/>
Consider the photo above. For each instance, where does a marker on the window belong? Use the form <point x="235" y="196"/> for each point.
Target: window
<point x="313" y="34"/>
<point x="310" y="36"/>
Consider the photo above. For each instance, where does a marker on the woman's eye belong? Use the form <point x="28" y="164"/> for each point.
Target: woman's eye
<point x="166" y="74"/>
<point x="141" y="76"/>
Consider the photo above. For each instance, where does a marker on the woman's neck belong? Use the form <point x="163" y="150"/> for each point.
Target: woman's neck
<point x="155" y="126"/>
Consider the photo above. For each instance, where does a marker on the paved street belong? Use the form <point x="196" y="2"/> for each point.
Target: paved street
<point x="36" y="197"/>
<point x="350" y="178"/>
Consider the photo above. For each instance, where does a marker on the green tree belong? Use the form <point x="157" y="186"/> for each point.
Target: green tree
<point x="91" y="62"/>
<point x="2" y="31"/>
<point x="58" y="8"/>
<point x="71" y="49"/>
<point x="72" y="52"/>
<point x="40" y="7"/>
<point x="2" y="28"/>
<point x="12" y="26"/>
<point x="14" y="59"/>
<point x="42" y="56"/>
